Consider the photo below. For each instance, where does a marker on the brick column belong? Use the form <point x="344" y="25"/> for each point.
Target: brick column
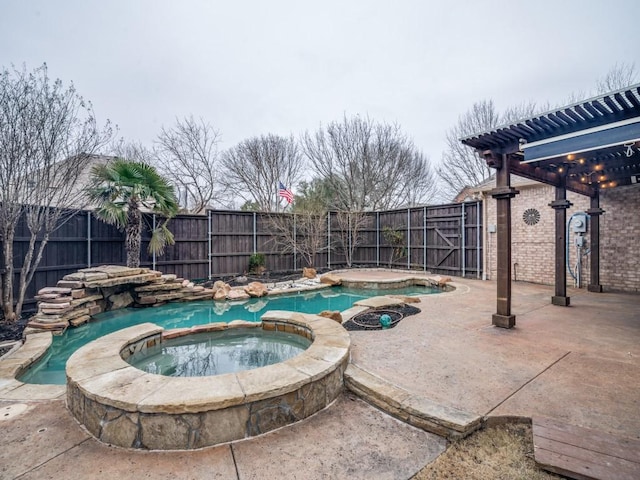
<point x="560" y="205"/>
<point x="503" y="193"/>
<point x="594" y="236"/>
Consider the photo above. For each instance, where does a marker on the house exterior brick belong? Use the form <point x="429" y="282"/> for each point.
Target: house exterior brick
<point x="533" y="246"/>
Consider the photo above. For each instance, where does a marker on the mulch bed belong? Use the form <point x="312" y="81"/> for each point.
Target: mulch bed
<point x="370" y="320"/>
<point x="12" y="330"/>
<point x="266" y="277"/>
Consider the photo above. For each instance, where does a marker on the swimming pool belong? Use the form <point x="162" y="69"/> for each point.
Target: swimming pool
<point x="50" y="369"/>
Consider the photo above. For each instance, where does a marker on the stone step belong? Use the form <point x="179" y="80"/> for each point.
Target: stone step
<point x="413" y="409"/>
<point x="158" y="287"/>
<point x="54" y="326"/>
<point x="90" y="298"/>
<point x="112" y="282"/>
<point x="46" y="290"/>
<point x="54" y="306"/>
<point x="59" y="299"/>
<point x="78" y="312"/>
<point x="70" y="284"/>
<point x="53" y="311"/>
<point x="47" y="297"/>
<point x="169" y="296"/>
<point x="192" y="298"/>
<point x="76" y="322"/>
<point x="116" y="271"/>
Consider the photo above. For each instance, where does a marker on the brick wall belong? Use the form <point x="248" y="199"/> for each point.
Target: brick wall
<point x="533" y="247"/>
<point x="620" y="238"/>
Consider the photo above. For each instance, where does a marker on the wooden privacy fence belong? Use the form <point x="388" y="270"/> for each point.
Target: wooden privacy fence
<point x="444" y="239"/>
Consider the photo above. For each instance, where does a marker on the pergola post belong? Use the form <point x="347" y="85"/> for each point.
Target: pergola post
<point x="560" y="205"/>
<point x="503" y="193"/>
<point x="594" y="215"/>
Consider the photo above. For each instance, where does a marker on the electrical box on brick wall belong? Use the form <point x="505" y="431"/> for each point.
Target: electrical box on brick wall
<point x="579" y="224"/>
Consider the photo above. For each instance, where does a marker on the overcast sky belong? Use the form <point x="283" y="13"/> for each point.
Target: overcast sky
<point x="258" y="67"/>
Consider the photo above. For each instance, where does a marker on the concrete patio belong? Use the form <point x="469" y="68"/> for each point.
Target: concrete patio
<point x="578" y="364"/>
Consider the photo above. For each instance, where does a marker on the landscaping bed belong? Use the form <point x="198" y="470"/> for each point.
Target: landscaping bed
<point x="370" y="320"/>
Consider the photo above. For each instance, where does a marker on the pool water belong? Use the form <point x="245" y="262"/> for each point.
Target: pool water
<point x="215" y="353"/>
<point x="50" y="369"/>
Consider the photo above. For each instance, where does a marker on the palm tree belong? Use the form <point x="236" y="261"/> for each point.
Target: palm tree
<point x="120" y="189"/>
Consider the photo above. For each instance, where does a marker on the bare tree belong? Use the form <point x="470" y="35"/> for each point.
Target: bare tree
<point x="47" y="136"/>
<point x="619" y="76"/>
<point x="255" y="167"/>
<point x="350" y="232"/>
<point x="187" y="155"/>
<point x="367" y="164"/>
<point x="303" y="232"/>
<point x="419" y="180"/>
<point x="461" y="166"/>
<point x="133" y="151"/>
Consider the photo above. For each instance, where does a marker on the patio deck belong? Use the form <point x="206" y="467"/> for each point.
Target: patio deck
<point x="579" y="365"/>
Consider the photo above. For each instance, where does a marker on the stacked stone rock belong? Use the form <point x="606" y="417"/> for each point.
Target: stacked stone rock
<point x="89" y="291"/>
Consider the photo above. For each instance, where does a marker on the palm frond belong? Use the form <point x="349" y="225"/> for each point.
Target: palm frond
<point x="161" y="236"/>
<point x="113" y="214"/>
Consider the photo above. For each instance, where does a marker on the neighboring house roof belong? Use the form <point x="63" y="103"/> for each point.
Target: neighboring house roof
<point x="50" y="185"/>
<point x="516" y="181"/>
<point x="84" y="179"/>
<point x="472" y="193"/>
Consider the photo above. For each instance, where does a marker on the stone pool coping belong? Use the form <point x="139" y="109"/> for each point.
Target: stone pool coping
<point x="14" y="363"/>
<point x="122" y="405"/>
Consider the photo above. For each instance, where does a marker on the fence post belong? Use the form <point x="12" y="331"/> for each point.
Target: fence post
<point x="408" y="238"/>
<point x="255" y="234"/>
<point x="377" y="239"/>
<point x="350" y="256"/>
<point x="329" y="240"/>
<point x="424" y="238"/>
<point x="463" y="242"/>
<point x="88" y="239"/>
<point x="478" y="240"/>
<point x="209" y="233"/>
<point x="153" y="254"/>
<point x="295" y="243"/>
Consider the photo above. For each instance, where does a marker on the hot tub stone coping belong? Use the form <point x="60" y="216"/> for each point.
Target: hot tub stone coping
<point x="117" y="385"/>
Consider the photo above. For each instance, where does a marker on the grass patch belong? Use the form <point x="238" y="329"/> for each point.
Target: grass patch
<point x="503" y="452"/>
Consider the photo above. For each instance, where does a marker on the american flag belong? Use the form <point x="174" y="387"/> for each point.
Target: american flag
<point x="285" y="193"/>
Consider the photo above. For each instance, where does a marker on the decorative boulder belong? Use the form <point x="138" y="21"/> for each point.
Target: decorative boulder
<point x="256" y="289"/>
<point x="332" y="314"/>
<point x="237" y="294"/>
<point x="220" y="285"/>
<point x="440" y="280"/>
<point x="330" y="279"/>
<point x="220" y="294"/>
<point x="120" y="300"/>
<point x="220" y="290"/>
<point x="406" y="298"/>
<point x="309" y="272"/>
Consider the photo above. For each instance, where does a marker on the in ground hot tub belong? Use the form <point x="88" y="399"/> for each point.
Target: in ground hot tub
<point x="126" y="406"/>
<point x="218" y="352"/>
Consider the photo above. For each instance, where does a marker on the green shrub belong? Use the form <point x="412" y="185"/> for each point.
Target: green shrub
<point x="257" y="263"/>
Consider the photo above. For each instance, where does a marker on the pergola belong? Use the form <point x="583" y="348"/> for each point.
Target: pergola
<point x="585" y="147"/>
